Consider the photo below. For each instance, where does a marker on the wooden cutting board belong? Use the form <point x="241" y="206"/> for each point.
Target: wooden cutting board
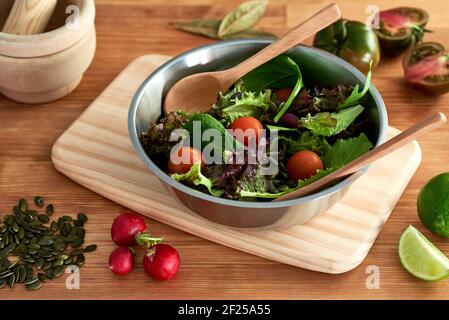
<point x="96" y="152"/>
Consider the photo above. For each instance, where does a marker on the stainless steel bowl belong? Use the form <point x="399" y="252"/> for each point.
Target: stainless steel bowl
<point x="317" y="67"/>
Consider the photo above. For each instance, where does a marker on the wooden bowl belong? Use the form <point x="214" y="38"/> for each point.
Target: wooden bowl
<point x="45" y="67"/>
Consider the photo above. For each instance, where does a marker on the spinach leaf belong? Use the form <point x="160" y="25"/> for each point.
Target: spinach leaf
<point x="280" y="72"/>
<point x="329" y="124"/>
<point x="346" y="150"/>
<point x="206" y="121"/>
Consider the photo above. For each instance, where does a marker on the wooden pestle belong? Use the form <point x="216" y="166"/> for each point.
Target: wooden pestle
<point x="29" y="16"/>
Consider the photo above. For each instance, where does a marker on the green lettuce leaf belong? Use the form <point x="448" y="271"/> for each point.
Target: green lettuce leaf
<point x="279" y="128"/>
<point x="196" y="178"/>
<point x="329" y="124"/>
<point x="250" y="104"/>
<point x="258" y="192"/>
<point x="355" y="95"/>
<point x="346" y="150"/>
<point x="307" y="141"/>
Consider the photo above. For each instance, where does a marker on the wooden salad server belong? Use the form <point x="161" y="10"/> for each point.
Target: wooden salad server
<point x="29" y="17"/>
<point x="198" y="92"/>
<point x="384" y="149"/>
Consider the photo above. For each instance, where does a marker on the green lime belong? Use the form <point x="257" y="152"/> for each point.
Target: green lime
<point x="420" y="257"/>
<point x="433" y="205"/>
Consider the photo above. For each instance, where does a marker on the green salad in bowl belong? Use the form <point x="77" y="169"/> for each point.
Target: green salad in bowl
<point x="268" y="135"/>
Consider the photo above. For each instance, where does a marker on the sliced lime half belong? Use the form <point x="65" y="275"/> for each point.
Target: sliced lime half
<point x="420" y="257"/>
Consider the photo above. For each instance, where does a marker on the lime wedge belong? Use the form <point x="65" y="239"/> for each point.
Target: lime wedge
<point x="420" y="257"/>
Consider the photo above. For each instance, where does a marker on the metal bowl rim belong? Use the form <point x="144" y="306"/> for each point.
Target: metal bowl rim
<point x="383" y="125"/>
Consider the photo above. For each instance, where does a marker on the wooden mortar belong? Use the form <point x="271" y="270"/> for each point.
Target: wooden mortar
<point x="47" y="66"/>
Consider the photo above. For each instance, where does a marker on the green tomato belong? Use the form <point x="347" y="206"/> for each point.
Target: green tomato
<point x="351" y="40"/>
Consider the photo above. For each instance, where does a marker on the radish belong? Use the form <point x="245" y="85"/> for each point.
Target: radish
<point x="128" y="229"/>
<point x="121" y="261"/>
<point x="161" y="262"/>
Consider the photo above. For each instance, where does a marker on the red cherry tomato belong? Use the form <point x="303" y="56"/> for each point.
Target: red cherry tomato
<point x="183" y="159"/>
<point x="284" y="93"/>
<point x="250" y="127"/>
<point x="303" y="164"/>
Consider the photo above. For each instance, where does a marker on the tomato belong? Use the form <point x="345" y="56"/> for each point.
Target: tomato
<point x="250" y="127"/>
<point x="400" y="28"/>
<point x="303" y="164"/>
<point x="284" y="94"/>
<point x="351" y="40"/>
<point x="426" y="67"/>
<point x="183" y="159"/>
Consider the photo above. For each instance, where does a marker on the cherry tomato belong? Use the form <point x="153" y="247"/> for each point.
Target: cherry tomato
<point x="284" y="94"/>
<point x="250" y="127"/>
<point x="303" y="164"/>
<point x="183" y="159"/>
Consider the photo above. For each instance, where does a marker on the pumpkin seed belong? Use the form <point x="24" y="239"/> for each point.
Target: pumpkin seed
<point x="11" y="280"/>
<point x="42" y="277"/>
<point x="58" y="271"/>
<point x="21" y="233"/>
<point x="49" y="274"/>
<point x="22" y="274"/>
<point x="39" y="201"/>
<point x="47" y="265"/>
<point x="68" y="261"/>
<point x="31" y="280"/>
<point x="80" y="260"/>
<point x="23" y="205"/>
<point x="77" y="243"/>
<point x="46" y="242"/>
<point x="54" y="226"/>
<point x="49" y="210"/>
<point x="2" y="283"/>
<point x="6" y="274"/>
<point x="76" y="252"/>
<point x="242" y="17"/>
<point x="39" y="263"/>
<point x="82" y="217"/>
<point x="43" y="218"/>
<point x="58" y="262"/>
<point x="90" y="248"/>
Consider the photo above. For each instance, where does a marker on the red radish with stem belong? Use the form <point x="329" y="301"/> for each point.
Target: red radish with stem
<point x="121" y="261"/>
<point x="128" y="229"/>
<point x="161" y="262"/>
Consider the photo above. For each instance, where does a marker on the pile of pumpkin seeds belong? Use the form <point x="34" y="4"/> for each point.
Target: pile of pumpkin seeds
<point x="34" y="249"/>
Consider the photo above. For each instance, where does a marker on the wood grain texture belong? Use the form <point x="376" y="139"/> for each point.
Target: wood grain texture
<point x="98" y="154"/>
<point x="29" y="16"/>
<point x="210" y="270"/>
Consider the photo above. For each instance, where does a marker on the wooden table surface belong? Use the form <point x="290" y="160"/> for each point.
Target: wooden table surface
<point x="131" y="28"/>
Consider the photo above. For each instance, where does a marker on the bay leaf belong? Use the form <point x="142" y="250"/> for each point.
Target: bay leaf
<point x="205" y="27"/>
<point x="242" y="17"/>
<point x="251" y="34"/>
<point x="209" y="28"/>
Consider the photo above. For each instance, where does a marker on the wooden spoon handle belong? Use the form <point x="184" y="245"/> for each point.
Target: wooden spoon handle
<point x="384" y="149"/>
<point x="394" y="143"/>
<point x="29" y="16"/>
<point x="305" y="29"/>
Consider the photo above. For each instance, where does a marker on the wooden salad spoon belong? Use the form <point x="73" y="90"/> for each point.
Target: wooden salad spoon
<point x="384" y="149"/>
<point x="198" y="92"/>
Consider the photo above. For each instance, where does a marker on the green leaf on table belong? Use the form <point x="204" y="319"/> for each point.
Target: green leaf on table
<point x="209" y="28"/>
<point x="355" y="96"/>
<point x="346" y="150"/>
<point x="329" y="124"/>
<point x="242" y="17"/>
<point x="195" y="178"/>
